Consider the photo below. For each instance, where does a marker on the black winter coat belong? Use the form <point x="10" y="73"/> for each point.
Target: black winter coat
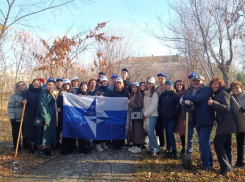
<point x="104" y="91"/>
<point x="123" y="93"/>
<point x="60" y="114"/>
<point x="225" y="118"/>
<point x="32" y="97"/>
<point x="127" y="84"/>
<point x="168" y="105"/>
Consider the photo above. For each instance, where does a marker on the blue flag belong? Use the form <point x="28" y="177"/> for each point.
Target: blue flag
<point x="94" y="117"/>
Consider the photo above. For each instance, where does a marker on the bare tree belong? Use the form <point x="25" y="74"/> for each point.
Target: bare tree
<point x="205" y="32"/>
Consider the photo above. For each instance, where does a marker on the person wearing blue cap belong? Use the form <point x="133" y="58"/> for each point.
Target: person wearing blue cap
<point x="47" y="111"/>
<point x="159" y="125"/>
<point x="113" y="81"/>
<point x="126" y="81"/>
<point x="58" y="84"/>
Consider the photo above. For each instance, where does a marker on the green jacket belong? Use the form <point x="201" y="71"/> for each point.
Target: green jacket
<point x="47" y="112"/>
<point x="15" y="105"/>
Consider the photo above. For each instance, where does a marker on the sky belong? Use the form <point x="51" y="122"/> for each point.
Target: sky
<point x="129" y="14"/>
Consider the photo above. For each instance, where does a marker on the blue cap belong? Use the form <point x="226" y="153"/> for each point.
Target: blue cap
<point x="114" y="76"/>
<point x="59" y="79"/>
<point x="102" y="72"/>
<point x="50" y="80"/>
<point x="162" y="74"/>
<point x="125" y="69"/>
<point x="169" y="82"/>
<point x="193" y="74"/>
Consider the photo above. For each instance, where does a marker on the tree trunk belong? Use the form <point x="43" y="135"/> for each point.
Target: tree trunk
<point x="225" y="72"/>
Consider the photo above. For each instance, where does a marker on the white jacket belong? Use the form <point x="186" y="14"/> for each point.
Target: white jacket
<point x="149" y="107"/>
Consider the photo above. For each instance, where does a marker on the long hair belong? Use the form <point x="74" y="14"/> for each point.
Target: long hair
<point x="153" y="87"/>
<point x="70" y="90"/>
<point x="122" y="86"/>
<point x="90" y="82"/>
<point x="82" y="83"/>
<point x="136" y="94"/>
<point x="182" y="83"/>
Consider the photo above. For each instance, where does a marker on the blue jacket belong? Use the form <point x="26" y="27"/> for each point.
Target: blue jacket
<point x="203" y="113"/>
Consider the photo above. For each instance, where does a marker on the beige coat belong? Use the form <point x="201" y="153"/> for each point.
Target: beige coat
<point x="149" y="107"/>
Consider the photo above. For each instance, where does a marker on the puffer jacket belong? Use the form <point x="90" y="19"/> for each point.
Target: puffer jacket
<point x="15" y="105"/>
<point x="150" y="105"/>
<point x="238" y="115"/>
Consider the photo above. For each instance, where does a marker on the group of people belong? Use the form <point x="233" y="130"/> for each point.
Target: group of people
<point x="164" y="108"/>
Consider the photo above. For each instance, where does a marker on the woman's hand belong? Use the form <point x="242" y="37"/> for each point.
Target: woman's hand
<point x="58" y="109"/>
<point x="128" y="101"/>
<point x="24" y="101"/>
<point x="46" y="123"/>
<point x="210" y="101"/>
<point x="80" y="95"/>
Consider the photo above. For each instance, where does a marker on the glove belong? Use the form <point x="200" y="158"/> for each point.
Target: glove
<point x="242" y="110"/>
<point x="181" y="101"/>
<point x="188" y="102"/>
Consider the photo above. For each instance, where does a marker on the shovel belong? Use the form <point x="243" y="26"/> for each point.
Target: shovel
<point x="186" y="158"/>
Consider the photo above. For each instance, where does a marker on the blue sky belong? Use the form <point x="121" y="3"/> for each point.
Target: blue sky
<point x="135" y="16"/>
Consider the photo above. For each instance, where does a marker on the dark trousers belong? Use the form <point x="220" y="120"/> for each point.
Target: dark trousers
<point x="68" y="145"/>
<point x="240" y="147"/>
<point x="182" y="139"/>
<point x="222" y="145"/>
<point x="160" y="131"/>
<point x="15" y="132"/>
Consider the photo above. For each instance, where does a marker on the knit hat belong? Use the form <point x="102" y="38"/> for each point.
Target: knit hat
<point x="169" y="82"/>
<point x="41" y="80"/>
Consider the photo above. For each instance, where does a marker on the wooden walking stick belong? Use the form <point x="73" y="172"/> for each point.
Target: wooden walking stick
<point x="237" y="105"/>
<point x="21" y="121"/>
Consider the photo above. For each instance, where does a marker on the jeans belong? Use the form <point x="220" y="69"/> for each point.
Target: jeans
<point x="190" y="136"/>
<point x="222" y="145"/>
<point x="151" y="135"/>
<point x="204" y="146"/>
<point x="169" y="126"/>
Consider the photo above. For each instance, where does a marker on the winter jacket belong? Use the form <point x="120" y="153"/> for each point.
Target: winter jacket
<point x="104" y="91"/>
<point x="122" y="93"/>
<point x="31" y="113"/>
<point x="15" y="105"/>
<point x="238" y="115"/>
<point x="203" y="113"/>
<point x="168" y="105"/>
<point x="127" y="84"/>
<point x="224" y="117"/>
<point x="150" y="105"/>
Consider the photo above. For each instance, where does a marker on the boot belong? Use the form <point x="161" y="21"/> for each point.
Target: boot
<point x="174" y="154"/>
<point x="44" y="153"/>
<point x="99" y="148"/>
<point x="49" y="152"/>
<point x="30" y="149"/>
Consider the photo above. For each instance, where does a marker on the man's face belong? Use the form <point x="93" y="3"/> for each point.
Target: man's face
<point x="161" y="80"/>
<point x="59" y="84"/>
<point x="75" y="83"/>
<point x="124" y="74"/>
<point x="113" y="80"/>
<point x="198" y="83"/>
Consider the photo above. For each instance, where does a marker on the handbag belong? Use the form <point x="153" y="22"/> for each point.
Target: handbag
<point x="39" y="120"/>
<point x="136" y="114"/>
